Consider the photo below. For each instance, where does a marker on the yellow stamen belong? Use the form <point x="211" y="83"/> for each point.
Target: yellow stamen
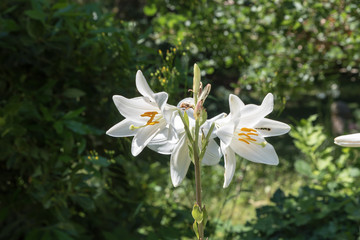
<point x="245" y="136"/>
<point x="240" y="139"/>
<point x="150" y="122"/>
<point x="252" y="134"/>
<point x="152" y="116"/>
<point x="248" y="130"/>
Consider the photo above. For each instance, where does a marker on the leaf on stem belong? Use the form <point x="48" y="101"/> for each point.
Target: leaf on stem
<point x="196" y="230"/>
<point x="197" y="214"/>
<point x="205" y="216"/>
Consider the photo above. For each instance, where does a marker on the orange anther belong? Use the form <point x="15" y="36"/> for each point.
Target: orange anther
<point x="248" y="130"/>
<point x="152" y="116"/>
<point x="247" y="136"/>
<point x="240" y="139"/>
<point x="254" y="134"/>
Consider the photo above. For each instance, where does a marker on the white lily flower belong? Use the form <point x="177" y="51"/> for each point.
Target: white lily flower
<point x="243" y="131"/>
<point x="180" y="158"/>
<point x="350" y="140"/>
<point x="145" y="117"/>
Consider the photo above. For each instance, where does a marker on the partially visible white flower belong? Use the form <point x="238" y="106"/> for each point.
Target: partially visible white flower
<point x="180" y="158"/>
<point x="350" y="140"/>
<point x="243" y="132"/>
<point x="145" y="117"/>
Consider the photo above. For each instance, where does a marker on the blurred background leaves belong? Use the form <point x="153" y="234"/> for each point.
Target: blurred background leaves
<point x="61" y="62"/>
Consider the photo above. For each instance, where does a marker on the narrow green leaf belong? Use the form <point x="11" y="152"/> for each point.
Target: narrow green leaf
<point x="36" y="14"/>
<point x="73" y="114"/>
<point x="196" y="230"/>
<point x="205" y="216"/>
<point x="186" y="118"/>
<point x="203" y="117"/>
<point x="186" y="126"/>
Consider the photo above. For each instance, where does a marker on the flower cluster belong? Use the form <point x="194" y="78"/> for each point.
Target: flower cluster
<point x="184" y="131"/>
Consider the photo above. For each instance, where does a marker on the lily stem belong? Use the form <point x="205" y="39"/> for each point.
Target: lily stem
<point x="198" y="176"/>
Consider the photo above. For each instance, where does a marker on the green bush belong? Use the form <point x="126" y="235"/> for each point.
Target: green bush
<point x="291" y="48"/>
<point x="313" y="214"/>
<point x="61" y="62"/>
<point x="328" y="208"/>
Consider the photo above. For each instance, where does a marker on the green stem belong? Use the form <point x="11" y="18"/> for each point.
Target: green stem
<point x="198" y="176"/>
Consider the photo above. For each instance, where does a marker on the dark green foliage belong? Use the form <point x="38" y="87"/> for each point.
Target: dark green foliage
<point x="292" y="48"/>
<point x="60" y="64"/>
<point x="313" y="214"/>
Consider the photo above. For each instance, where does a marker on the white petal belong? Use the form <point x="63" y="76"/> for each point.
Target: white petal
<point x="216" y="118"/>
<point x="229" y="164"/>
<point x="251" y="114"/>
<point x="179" y="162"/>
<point x="142" y="86"/>
<point x="164" y="142"/>
<point x="177" y="123"/>
<point x="207" y="125"/>
<point x="187" y="104"/>
<point x="350" y="140"/>
<point x="168" y="112"/>
<point x="122" y="129"/>
<point x="160" y="99"/>
<point x="225" y="133"/>
<point x="236" y="105"/>
<point x="186" y="101"/>
<point x="255" y="152"/>
<point x="269" y="128"/>
<point x="144" y="136"/>
<point x="223" y="121"/>
<point x="133" y="108"/>
<point x="213" y="153"/>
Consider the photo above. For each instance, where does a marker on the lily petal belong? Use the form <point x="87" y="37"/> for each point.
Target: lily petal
<point x="229" y="164"/>
<point x="225" y="133"/>
<point x="213" y="154"/>
<point x="179" y="162"/>
<point x="133" y="108"/>
<point x="258" y="153"/>
<point x="207" y="124"/>
<point x="189" y="102"/>
<point x="161" y="99"/>
<point x="270" y="128"/>
<point x="236" y="105"/>
<point x="164" y="142"/>
<point x="168" y="112"/>
<point x="350" y="140"/>
<point x="142" y="85"/>
<point x="251" y="114"/>
<point x="144" y="136"/>
<point x="122" y="129"/>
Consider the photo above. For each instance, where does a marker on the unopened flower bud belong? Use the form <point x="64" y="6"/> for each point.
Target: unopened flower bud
<point x="198" y="109"/>
<point x="196" y="80"/>
<point x="204" y="93"/>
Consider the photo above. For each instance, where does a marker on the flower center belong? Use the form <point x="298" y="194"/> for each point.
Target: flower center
<point x="151" y="121"/>
<point x="247" y="136"/>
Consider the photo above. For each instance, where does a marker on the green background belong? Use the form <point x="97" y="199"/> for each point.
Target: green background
<point x="62" y="61"/>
